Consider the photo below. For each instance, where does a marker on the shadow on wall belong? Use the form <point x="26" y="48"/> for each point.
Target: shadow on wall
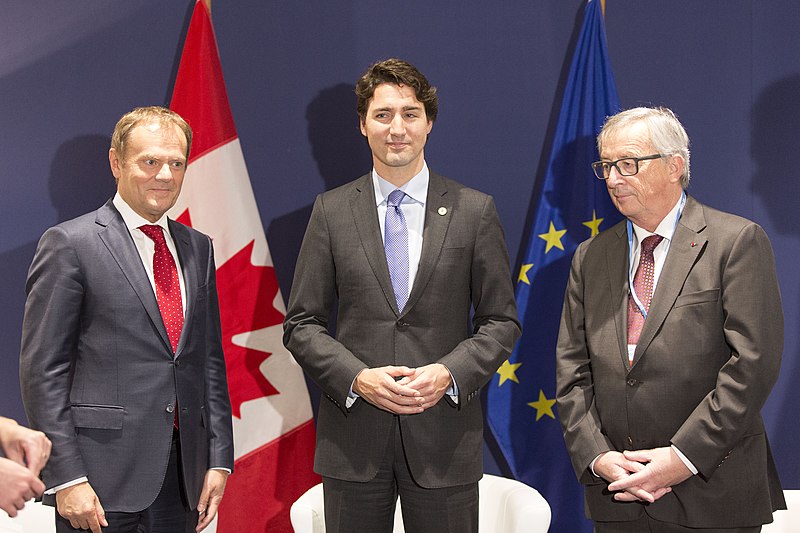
<point x="774" y="147"/>
<point x="341" y="154"/>
<point x="80" y="181"/>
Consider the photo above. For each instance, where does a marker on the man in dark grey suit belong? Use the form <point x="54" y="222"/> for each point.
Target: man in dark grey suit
<point x="401" y="411"/>
<point x="121" y="362"/>
<point x="670" y="343"/>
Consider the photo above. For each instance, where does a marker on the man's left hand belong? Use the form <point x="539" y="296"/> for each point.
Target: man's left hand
<point x="663" y="469"/>
<point x="432" y="381"/>
<point x="24" y="446"/>
<point x="210" y="497"/>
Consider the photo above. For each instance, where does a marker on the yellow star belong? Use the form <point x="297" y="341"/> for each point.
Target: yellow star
<point x="594" y="224"/>
<point x="508" y="371"/>
<point x="553" y="238"/>
<point x="523" y="273"/>
<point x="543" y="406"/>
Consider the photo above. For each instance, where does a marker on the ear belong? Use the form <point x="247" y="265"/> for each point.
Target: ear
<point x="115" y="163"/>
<point x="430" y="127"/>
<point x="362" y="126"/>
<point x="676" y="164"/>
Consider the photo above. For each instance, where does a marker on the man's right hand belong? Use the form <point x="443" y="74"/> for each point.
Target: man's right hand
<point x="19" y="485"/>
<point x="614" y="466"/>
<point x="79" y="504"/>
<point x="385" y="387"/>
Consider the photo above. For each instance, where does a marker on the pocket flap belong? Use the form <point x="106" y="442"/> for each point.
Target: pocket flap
<point x="710" y="295"/>
<point x="98" y="416"/>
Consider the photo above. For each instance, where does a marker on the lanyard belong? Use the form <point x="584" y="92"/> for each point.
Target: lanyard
<point x="631" y="253"/>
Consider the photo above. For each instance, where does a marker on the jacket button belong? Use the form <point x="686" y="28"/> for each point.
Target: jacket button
<point x="401" y="324"/>
<point x="170" y="408"/>
<point x="632" y="382"/>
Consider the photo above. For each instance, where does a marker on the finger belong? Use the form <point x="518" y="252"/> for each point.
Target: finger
<point x="100" y="513"/>
<point x="659" y="493"/>
<point x="640" y="456"/>
<point x="625" y="497"/>
<point x="38" y="487"/>
<point x="634" y="494"/>
<point x="208" y="516"/>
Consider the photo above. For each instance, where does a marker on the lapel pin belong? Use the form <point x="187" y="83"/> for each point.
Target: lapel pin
<point x="442" y="211"/>
<point x="694" y="244"/>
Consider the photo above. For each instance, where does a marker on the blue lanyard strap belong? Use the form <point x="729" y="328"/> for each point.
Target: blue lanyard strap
<point x="631" y="254"/>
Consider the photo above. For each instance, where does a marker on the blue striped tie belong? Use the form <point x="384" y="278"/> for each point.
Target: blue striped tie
<point x="395" y="242"/>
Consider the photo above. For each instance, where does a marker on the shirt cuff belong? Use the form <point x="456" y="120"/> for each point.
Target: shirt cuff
<point x="685" y="460"/>
<point x="66" y="485"/>
<point x="228" y="470"/>
<point x="591" y="465"/>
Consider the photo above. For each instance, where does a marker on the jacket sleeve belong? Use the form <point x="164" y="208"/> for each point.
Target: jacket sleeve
<point x="753" y="329"/>
<point x="495" y="325"/>
<point x="55" y="290"/>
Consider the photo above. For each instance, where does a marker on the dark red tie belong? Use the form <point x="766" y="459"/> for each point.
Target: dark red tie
<point x="168" y="287"/>
<point x="643" y="285"/>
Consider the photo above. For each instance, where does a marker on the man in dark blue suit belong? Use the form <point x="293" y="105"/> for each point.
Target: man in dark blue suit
<point x="121" y="362"/>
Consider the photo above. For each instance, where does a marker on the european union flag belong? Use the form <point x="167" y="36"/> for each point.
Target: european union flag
<point x="572" y="205"/>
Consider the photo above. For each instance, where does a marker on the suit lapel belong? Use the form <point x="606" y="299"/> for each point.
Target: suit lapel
<point x="118" y="241"/>
<point x="617" y="263"/>
<point x="188" y="261"/>
<point x="433" y="235"/>
<point x="365" y="217"/>
<point x="686" y="246"/>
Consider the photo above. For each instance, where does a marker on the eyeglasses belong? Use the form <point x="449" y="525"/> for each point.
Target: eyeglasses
<point x="627" y="166"/>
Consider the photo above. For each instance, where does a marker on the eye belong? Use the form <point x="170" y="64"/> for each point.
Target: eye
<point x="177" y="165"/>
<point x="150" y="162"/>
<point x="627" y="165"/>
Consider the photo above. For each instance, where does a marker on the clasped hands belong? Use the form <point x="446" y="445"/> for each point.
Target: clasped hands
<point x="26" y="452"/>
<point x="641" y="475"/>
<point x="402" y="390"/>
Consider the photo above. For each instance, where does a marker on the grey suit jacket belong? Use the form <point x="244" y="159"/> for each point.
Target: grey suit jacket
<point x="96" y="367"/>
<point x="707" y="358"/>
<point x="464" y="264"/>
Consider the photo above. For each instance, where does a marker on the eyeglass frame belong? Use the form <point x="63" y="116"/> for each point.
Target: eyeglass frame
<point x="600" y="164"/>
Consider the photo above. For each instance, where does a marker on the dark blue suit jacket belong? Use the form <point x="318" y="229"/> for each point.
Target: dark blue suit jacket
<point x="97" y="371"/>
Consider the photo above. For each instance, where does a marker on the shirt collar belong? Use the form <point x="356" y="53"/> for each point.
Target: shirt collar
<point x="133" y="219"/>
<point x="665" y="228"/>
<point x="416" y="188"/>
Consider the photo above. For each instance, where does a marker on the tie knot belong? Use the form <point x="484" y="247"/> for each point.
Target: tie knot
<point x="649" y="243"/>
<point x="154" y="232"/>
<point x="395" y="198"/>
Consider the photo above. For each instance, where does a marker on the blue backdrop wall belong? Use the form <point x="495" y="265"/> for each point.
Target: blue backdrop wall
<point x="730" y="69"/>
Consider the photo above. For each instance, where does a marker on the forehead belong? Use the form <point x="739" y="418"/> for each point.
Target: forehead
<point x="393" y="95"/>
<point x="154" y="136"/>
<point x="629" y="140"/>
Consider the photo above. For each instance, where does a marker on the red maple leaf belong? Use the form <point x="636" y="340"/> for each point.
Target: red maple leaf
<point x="246" y="293"/>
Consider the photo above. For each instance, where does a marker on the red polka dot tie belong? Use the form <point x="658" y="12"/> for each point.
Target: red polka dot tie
<point x="643" y="285"/>
<point x="168" y="288"/>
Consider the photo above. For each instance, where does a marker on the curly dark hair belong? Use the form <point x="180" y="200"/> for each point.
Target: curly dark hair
<point x="398" y="72"/>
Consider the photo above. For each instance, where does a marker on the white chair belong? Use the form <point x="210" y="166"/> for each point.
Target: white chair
<point x="34" y="518"/>
<point x="505" y="506"/>
<point x="786" y="521"/>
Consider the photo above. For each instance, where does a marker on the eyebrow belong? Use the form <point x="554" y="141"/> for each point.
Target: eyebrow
<point x="404" y="108"/>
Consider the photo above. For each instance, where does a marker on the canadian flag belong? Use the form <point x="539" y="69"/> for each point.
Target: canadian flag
<point x="272" y="420"/>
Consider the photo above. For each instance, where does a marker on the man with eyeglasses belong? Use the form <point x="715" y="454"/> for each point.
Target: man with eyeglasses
<point x="670" y="342"/>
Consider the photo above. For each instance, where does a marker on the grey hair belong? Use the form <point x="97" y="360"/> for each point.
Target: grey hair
<point x="666" y="132"/>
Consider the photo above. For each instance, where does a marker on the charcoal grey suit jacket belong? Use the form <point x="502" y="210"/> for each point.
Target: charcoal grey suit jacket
<point x="463" y="266"/>
<point x="707" y="358"/>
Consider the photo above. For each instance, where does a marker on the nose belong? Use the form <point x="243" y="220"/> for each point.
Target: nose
<point x="614" y="177"/>
<point x="397" y="126"/>
<point x="164" y="173"/>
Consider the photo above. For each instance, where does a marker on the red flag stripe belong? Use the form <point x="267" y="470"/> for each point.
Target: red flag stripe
<point x="199" y="94"/>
